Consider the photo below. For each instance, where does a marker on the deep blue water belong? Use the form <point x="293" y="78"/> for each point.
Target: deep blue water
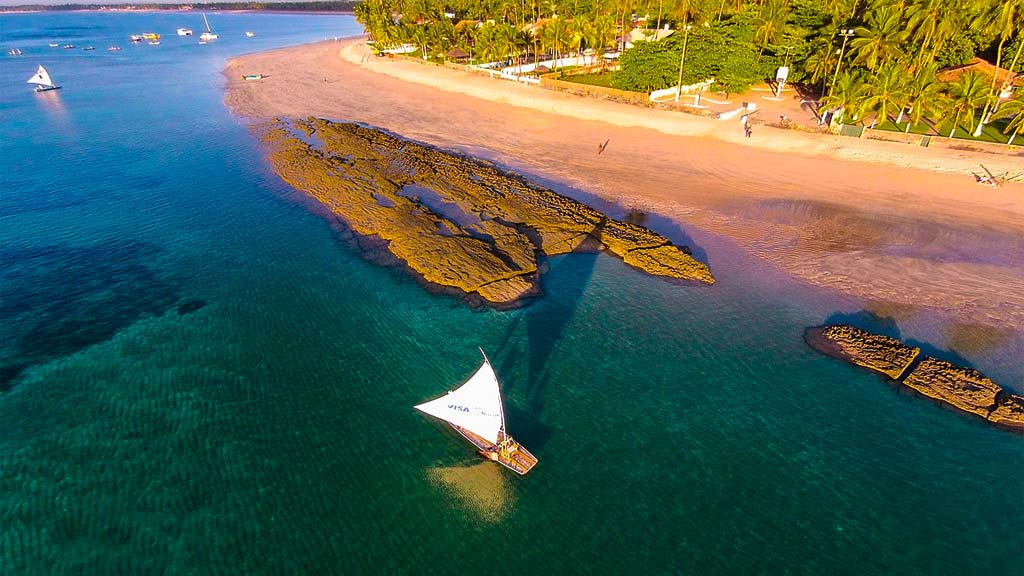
<point x="198" y="376"/>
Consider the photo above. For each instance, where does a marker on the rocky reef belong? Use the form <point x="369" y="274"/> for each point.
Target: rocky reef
<point x="873" y="351"/>
<point x="457" y="223"/>
<point x="965" y="389"/>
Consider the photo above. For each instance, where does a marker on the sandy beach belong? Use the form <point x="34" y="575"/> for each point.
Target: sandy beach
<point x="902" y="226"/>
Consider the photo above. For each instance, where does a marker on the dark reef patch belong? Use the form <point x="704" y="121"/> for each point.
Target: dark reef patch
<point x="57" y="300"/>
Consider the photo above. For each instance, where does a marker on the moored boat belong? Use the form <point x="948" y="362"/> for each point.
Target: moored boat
<point x="208" y="34"/>
<point x="475" y="411"/>
<point x="135" y="38"/>
<point x="14" y="52"/>
<point x="184" y="32"/>
<point x="69" y="46"/>
<point x="89" y="48"/>
<point x="253" y="76"/>
<point x="150" y="36"/>
<point x="42" y="81"/>
<point x="113" y="48"/>
<point x="54" y="44"/>
<point x="249" y="34"/>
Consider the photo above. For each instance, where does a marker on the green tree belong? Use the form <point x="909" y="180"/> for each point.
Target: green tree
<point x="924" y="93"/>
<point x="886" y="91"/>
<point x="846" y="96"/>
<point x="770" y="21"/>
<point x="1014" y="110"/>
<point x="966" y="95"/>
<point x="879" y="40"/>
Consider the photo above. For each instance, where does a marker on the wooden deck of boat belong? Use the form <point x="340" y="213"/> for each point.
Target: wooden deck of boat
<point x="519" y="459"/>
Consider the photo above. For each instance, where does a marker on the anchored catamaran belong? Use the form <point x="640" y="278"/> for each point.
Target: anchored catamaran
<point x="42" y="81"/>
<point x="475" y="411"/>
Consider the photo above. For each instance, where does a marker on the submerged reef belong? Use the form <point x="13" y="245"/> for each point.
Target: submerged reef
<point x="457" y="223"/>
<point x="965" y="389"/>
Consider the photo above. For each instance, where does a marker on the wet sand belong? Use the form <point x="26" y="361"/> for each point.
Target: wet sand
<point x="851" y="215"/>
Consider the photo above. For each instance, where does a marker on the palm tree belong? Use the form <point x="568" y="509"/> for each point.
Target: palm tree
<point x="1005" y="17"/>
<point x="846" y="95"/>
<point x="770" y="20"/>
<point x="556" y="36"/>
<point x="880" y="40"/>
<point x="929" y="20"/>
<point x="965" y="96"/>
<point x="821" y="63"/>
<point x="886" y="91"/>
<point x="1013" y="109"/>
<point x="924" y="93"/>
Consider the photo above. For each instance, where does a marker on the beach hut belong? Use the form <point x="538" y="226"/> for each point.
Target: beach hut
<point x="457" y="55"/>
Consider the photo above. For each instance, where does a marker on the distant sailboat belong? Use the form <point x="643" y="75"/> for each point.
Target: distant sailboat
<point x="14" y="52"/>
<point x="42" y="81"/>
<point x="208" y="34"/>
<point x="475" y="411"/>
<point x="250" y="34"/>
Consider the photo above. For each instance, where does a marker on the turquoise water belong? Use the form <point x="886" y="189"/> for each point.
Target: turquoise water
<point x="199" y="376"/>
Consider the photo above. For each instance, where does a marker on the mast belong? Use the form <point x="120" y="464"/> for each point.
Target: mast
<point x="501" y="405"/>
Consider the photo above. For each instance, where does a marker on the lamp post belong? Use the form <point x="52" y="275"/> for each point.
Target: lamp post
<point x="686" y="37"/>
<point x="846" y="33"/>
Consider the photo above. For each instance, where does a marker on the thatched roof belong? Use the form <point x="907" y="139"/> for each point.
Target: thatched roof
<point x="542" y="69"/>
<point x="983" y="67"/>
<point x="456" y="54"/>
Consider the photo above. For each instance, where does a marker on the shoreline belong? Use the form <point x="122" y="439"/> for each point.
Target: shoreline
<point x="910" y="238"/>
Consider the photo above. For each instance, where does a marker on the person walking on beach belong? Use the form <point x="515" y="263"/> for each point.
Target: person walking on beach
<point x="602" y="146"/>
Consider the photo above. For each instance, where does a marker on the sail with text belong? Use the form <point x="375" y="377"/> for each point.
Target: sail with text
<point x="475" y="406"/>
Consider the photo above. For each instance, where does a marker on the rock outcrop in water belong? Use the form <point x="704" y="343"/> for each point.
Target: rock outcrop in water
<point x="962" y="388"/>
<point x="456" y="222"/>
<point x="879" y="353"/>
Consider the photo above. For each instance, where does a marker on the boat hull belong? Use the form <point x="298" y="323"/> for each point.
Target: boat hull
<point x="514" y="456"/>
<point x="46" y="88"/>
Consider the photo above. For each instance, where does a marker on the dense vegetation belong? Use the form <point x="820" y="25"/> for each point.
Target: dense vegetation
<point x="316" y="6"/>
<point x="883" y="71"/>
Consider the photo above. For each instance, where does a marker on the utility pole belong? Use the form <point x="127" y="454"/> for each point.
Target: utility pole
<point x="846" y="33"/>
<point x="686" y="37"/>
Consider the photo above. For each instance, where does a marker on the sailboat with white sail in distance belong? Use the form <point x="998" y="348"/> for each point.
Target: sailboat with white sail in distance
<point x="475" y="411"/>
<point x="208" y="33"/>
<point x="42" y="80"/>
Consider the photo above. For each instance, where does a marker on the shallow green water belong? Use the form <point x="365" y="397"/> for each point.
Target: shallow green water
<point x="680" y="429"/>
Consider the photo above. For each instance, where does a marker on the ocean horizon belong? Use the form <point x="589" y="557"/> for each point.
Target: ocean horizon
<point x="198" y="374"/>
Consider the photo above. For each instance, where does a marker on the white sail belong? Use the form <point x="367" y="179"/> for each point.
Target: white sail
<point x="42" y="77"/>
<point x="475" y="406"/>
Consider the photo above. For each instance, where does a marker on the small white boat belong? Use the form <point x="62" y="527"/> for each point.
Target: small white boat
<point x="154" y="43"/>
<point x="14" y="52"/>
<point x="113" y="48"/>
<point x="69" y="46"/>
<point x="253" y="76"/>
<point x="250" y="34"/>
<point x="208" y="34"/>
<point x="202" y="42"/>
<point x="184" y="32"/>
<point x="88" y="48"/>
<point x="54" y="44"/>
<point x="135" y="38"/>
<point x="43" y="81"/>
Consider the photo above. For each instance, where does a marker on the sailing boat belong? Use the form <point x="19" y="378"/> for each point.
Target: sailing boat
<point x="42" y="81"/>
<point x="208" y="34"/>
<point x="474" y="410"/>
